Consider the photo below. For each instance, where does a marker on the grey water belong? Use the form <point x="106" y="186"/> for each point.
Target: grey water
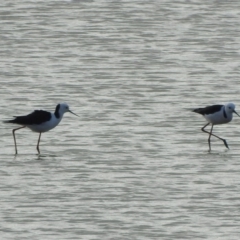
<point x="135" y="164"/>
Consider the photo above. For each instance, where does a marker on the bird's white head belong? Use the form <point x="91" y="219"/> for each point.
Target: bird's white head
<point x="230" y="108"/>
<point x="62" y="108"/>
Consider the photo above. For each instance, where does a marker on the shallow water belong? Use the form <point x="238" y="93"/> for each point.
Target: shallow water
<point x="135" y="164"/>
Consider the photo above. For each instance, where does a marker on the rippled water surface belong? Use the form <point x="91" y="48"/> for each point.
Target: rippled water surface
<point x="135" y="164"/>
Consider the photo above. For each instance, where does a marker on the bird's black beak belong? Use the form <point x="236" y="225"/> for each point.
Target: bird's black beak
<point x="235" y="112"/>
<point x="73" y="113"/>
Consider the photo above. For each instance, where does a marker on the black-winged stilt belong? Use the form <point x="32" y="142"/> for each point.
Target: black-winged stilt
<point x="40" y="121"/>
<point x="217" y="114"/>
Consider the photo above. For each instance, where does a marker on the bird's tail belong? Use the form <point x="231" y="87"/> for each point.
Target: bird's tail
<point x="198" y="110"/>
<point x="8" y="121"/>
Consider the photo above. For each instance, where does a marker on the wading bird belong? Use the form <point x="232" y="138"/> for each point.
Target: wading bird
<point x="216" y="114"/>
<point x="40" y="121"/>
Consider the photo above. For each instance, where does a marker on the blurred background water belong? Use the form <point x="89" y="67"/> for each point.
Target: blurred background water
<point x="135" y="164"/>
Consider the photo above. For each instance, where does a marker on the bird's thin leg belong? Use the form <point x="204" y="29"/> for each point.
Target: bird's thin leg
<point x="38" y="143"/>
<point x="210" y="133"/>
<point x="209" y="138"/>
<point x="203" y="129"/>
<point x="13" y="131"/>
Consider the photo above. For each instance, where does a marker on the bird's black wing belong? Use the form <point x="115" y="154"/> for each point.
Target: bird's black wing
<point x="208" y="110"/>
<point x="36" y="117"/>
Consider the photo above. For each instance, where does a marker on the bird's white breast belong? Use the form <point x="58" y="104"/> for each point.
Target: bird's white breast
<point x="218" y="117"/>
<point x="45" y="126"/>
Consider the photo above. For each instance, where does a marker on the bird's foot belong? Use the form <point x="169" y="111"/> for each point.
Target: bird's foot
<point x="225" y="143"/>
